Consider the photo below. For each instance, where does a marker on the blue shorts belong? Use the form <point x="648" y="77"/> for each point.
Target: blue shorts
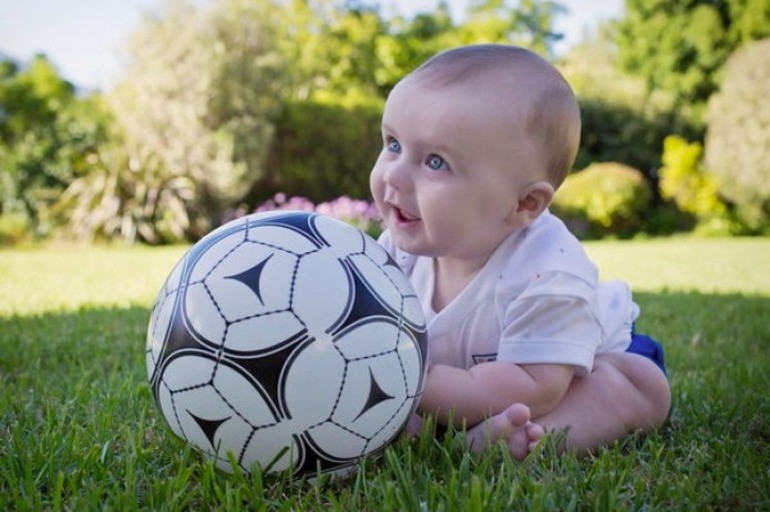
<point x="649" y="348"/>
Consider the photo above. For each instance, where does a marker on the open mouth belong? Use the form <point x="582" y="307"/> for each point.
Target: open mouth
<point x="403" y="216"/>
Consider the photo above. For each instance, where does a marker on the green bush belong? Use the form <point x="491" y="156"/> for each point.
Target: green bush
<point x="623" y="133"/>
<point x="321" y="151"/>
<point x="693" y="189"/>
<point x="604" y="199"/>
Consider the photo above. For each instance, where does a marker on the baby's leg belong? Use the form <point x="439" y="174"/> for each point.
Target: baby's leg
<point x="511" y="425"/>
<point x="625" y="392"/>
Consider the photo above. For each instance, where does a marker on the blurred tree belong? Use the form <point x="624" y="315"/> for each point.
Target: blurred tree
<point x="621" y="121"/>
<point x="738" y="139"/>
<point x="680" y="47"/>
<point x="229" y="102"/>
<point x="248" y="73"/>
<point x="47" y="138"/>
<point x="311" y="160"/>
<point x="330" y="50"/>
<point x="127" y="195"/>
<point x="194" y="122"/>
<point x="411" y="41"/>
<point x="344" y="63"/>
<point x="527" y="23"/>
<point x="327" y="123"/>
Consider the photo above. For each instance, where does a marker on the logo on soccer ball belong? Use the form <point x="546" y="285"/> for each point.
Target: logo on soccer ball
<point x="288" y="340"/>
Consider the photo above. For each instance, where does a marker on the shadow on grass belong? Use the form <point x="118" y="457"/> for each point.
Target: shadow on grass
<point x="697" y="330"/>
<point x="56" y="346"/>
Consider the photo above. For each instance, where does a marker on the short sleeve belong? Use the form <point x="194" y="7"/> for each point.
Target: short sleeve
<point x="551" y="322"/>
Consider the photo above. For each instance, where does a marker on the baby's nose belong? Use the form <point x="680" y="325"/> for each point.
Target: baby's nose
<point x="398" y="175"/>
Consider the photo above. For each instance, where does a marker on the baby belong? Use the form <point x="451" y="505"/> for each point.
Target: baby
<point x="523" y="338"/>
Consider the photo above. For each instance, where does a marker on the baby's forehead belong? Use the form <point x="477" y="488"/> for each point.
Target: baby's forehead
<point x="476" y="65"/>
<point x="509" y="82"/>
<point x="500" y="98"/>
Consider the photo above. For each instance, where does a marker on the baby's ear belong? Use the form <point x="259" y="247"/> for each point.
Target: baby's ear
<point x="533" y="200"/>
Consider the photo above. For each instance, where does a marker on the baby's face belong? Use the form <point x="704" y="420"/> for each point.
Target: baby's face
<point x="452" y="165"/>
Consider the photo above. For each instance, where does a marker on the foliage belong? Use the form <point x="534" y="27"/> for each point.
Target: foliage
<point x="246" y="73"/>
<point x="193" y="124"/>
<point x="111" y="203"/>
<point x="738" y="140"/>
<point x="621" y="122"/>
<point x="409" y="42"/>
<point x="330" y="49"/>
<point x="234" y="103"/>
<point x="681" y="47"/>
<point x="312" y="159"/>
<point x="684" y="180"/>
<point x="327" y="124"/>
<point x="526" y="23"/>
<point x="47" y="138"/>
<point x="14" y="229"/>
<point x="347" y="63"/>
<point x="606" y="198"/>
<point x="229" y="102"/>
<point x="156" y="113"/>
<point x="613" y="132"/>
<point x="674" y="46"/>
<point x="80" y="430"/>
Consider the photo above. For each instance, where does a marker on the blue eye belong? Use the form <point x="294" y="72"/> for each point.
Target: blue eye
<point x="435" y="162"/>
<point x="393" y="145"/>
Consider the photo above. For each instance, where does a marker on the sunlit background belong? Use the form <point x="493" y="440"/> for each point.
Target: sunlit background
<point x="153" y="121"/>
<point x="84" y="38"/>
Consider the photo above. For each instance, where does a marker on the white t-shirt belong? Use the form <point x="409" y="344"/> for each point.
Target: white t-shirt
<point x="537" y="300"/>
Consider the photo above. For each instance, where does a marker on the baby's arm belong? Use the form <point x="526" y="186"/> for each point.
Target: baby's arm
<point x="470" y="396"/>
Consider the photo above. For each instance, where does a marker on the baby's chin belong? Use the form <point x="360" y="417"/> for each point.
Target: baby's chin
<point x="414" y="248"/>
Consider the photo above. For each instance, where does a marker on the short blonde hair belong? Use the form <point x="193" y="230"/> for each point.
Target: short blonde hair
<point x="552" y="116"/>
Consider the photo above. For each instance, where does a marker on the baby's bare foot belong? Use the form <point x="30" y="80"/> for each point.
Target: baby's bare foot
<point x="513" y="426"/>
<point x="535" y="433"/>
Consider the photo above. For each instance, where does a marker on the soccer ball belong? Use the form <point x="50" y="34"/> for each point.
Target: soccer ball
<point x="289" y="340"/>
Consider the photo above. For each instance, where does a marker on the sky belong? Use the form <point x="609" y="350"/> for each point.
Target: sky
<point x="83" y="38"/>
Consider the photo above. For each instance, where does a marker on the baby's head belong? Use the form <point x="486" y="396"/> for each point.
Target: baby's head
<point x="538" y="102"/>
<point x="475" y="142"/>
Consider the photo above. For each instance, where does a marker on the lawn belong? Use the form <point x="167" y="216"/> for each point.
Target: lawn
<point x="79" y="430"/>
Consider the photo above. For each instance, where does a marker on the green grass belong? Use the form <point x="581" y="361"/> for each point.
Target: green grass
<point x="79" y="430"/>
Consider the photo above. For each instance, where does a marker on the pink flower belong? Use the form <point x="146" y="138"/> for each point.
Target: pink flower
<point x="361" y="214"/>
